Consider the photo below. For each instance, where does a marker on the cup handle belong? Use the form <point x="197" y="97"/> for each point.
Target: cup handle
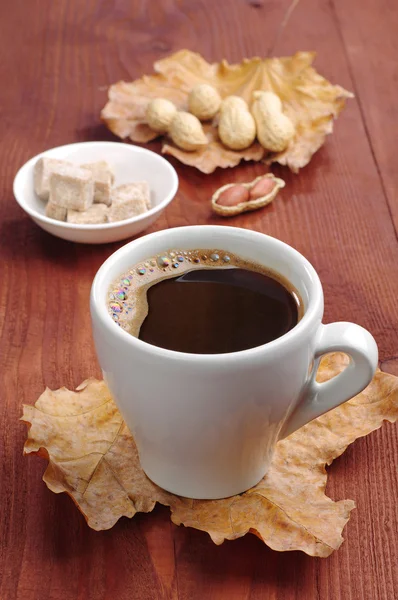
<point x="319" y="398"/>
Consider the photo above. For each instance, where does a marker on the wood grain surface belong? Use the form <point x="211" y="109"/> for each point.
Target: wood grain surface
<point x="56" y="61"/>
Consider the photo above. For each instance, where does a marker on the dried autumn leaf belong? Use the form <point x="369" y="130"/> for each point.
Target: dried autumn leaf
<point x="308" y="99"/>
<point x="92" y="456"/>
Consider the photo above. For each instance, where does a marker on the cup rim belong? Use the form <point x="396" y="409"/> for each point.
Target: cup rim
<point x="312" y="314"/>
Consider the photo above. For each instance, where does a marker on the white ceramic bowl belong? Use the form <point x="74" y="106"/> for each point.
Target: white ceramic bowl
<point x="130" y="163"/>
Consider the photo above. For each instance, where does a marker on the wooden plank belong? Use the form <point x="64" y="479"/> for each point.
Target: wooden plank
<point x="369" y="32"/>
<point x="353" y="218"/>
<point x="335" y="212"/>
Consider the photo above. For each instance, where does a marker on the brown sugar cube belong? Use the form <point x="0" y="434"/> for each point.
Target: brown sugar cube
<point x="41" y="174"/>
<point x="72" y="188"/>
<point x="128" y="200"/>
<point x="103" y="180"/>
<point x="138" y="189"/>
<point x="97" y="213"/>
<point x="142" y="189"/>
<point x="56" y="212"/>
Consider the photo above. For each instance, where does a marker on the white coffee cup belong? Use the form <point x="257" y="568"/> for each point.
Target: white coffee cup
<point x="206" y="425"/>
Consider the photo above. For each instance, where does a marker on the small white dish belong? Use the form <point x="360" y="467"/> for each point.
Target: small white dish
<point x="130" y="163"/>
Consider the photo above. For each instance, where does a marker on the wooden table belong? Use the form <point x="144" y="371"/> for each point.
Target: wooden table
<point x="56" y="61"/>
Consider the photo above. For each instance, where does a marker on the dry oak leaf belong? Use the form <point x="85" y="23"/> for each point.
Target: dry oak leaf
<point x="92" y="456"/>
<point x="308" y="99"/>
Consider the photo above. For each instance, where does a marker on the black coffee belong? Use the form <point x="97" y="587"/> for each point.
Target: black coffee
<point x="218" y="310"/>
<point x="217" y="303"/>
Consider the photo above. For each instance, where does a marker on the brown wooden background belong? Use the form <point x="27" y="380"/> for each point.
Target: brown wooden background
<point x="56" y="60"/>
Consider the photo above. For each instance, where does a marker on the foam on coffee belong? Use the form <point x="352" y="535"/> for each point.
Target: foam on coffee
<point x="127" y="298"/>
